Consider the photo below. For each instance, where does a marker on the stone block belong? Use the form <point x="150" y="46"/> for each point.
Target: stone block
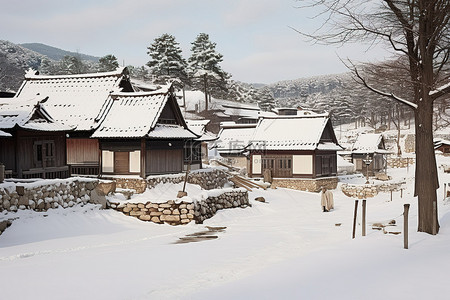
<point x="144" y="217"/>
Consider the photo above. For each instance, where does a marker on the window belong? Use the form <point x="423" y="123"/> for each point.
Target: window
<point x="44" y="154"/>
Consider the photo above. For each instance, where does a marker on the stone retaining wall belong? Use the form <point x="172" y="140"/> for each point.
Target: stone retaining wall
<point x="369" y="190"/>
<point x="43" y="195"/>
<point x="174" y="213"/>
<point x="208" y="179"/>
<point x="400" y="162"/>
<point x="137" y="184"/>
<point x="306" y="184"/>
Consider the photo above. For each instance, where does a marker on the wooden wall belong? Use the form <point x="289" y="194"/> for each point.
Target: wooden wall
<point x="164" y="161"/>
<point x="82" y="151"/>
<point x="8" y="153"/>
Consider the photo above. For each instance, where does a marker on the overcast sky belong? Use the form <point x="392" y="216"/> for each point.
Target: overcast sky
<point x="254" y="36"/>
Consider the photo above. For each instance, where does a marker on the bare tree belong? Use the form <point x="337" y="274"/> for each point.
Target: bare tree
<point x="417" y="30"/>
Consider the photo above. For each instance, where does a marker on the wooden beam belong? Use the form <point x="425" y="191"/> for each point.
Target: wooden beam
<point x="143" y="155"/>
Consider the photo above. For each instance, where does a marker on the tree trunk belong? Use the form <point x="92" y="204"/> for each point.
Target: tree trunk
<point x="426" y="171"/>
<point x="205" y="83"/>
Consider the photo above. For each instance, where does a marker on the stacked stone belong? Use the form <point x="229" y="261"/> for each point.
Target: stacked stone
<point x="42" y="198"/>
<point x="169" y="212"/>
<point x="359" y="191"/>
<point x="137" y="184"/>
<point x="369" y="191"/>
<point x="208" y="208"/>
<point x="208" y="180"/>
<point x="400" y="162"/>
<point x="305" y="184"/>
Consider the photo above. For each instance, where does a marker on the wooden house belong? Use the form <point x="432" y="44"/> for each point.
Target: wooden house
<point x="142" y="133"/>
<point x="294" y="147"/>
<point x="32" y="143"/>
<point x="369" y="153"/>
<point x="77" y="101"/>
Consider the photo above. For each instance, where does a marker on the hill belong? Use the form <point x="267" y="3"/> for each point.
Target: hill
<point x="56" y="53"/>
<point x="14" y="61"/>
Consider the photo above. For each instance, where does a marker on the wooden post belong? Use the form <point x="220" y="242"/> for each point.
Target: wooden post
<point x="445" y="191"/>
<point x="354" y="219"/>
<point x="405" y="225"/>
<point x="364" y="217"/>
<point x="391" y="195"/>
<point x="143" y="156"/>
<point x="401" y="193"/>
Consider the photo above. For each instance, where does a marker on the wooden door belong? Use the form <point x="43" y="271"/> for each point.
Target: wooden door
<point x="121" y="162"/>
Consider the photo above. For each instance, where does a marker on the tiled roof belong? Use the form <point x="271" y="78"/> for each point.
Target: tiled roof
<point x="135" y="115"/>
<point x="74" y="100"/>
<point x="22" y="113"/>
<point x="168" y="131"/>
<point x="4" y="134"/>
<point x="290" y="133"/>
<point x="231" y="139"/>
<point x="367" y="143"/>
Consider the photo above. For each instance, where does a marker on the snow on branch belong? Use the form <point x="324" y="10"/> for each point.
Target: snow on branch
<point x="389" y="95"/>
<point x="445" y="89"/>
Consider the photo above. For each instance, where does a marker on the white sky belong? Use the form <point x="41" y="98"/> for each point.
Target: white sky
<point x="253" y="35"/>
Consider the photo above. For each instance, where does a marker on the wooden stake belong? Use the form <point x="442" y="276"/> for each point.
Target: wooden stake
<point x="364" y="217"/>
<point x="354" y="219"/>
<point x="405" y="225"/>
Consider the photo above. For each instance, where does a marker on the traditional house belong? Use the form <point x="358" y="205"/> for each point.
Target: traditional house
<point x="142" y="133"/>
<point x="369" y="153"/>
<point x="33" y="144"/>
<point x="233" y="140"/>
<point x="299" y="151"/>
<point x="77" y="101"/>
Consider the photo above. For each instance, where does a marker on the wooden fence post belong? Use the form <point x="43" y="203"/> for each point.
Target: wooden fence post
<point x="405" y="225"/>
<point x="354" y="219"/>
<point x="364" y="217"/>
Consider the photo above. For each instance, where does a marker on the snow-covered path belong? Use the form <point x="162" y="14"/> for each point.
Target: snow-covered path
<point x="286" y="248"/>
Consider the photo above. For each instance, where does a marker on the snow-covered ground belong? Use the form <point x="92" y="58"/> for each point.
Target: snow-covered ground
<point x="283" y="249"/>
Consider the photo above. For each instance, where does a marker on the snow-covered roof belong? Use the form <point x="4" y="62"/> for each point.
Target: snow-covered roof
<point x="368" y="143"/>
<point x="135" y="115"/>
<point x="28" y="114"/>
<point x="199" y="128"/>
<point x="74" y="100"/>
<point x="235" y="138"/>
<point x="292" y="133"/>
<point x="4" y="134"/>
<point x="440" y="142"/>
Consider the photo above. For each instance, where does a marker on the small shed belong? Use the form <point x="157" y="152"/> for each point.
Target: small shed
<point x="369" y="148"/>
<point x="198" y="149"/>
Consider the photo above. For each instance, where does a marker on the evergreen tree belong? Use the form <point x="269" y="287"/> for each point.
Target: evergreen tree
<point x="71" y="65"/>
<point x="265" y="99"/>
<point x="107" y="63"/>
<point x="205" y="71"/>
<point x="167" y="62"/>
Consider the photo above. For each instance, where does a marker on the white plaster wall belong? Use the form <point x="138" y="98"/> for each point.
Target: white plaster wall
<point x="135" y="161"/>
<point x="302" y="164"/>
<point x="257" y="164"/>
<point x="107" y="161"/>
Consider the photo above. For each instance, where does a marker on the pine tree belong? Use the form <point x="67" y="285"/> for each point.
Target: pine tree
<point x="265" y="99"/>
<point x="107" y="63"/>
<point x="167" y="62"/>
<point x="205" y="71"/>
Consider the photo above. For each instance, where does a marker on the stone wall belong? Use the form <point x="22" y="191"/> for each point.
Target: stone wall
<point x="306" y="184"/>
<point x="369" y="190"/>
<point x="208" y="179"/>
<point x="137" y="184"/>
<point x="46" y="194"/>
<point x="179" y="213"/>
<point x="400" y="162"/>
